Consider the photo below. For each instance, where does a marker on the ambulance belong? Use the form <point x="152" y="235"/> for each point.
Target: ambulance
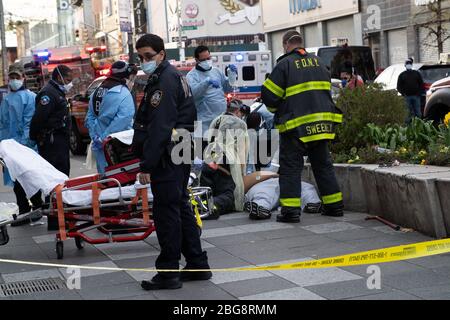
<point x="253" y="66"/>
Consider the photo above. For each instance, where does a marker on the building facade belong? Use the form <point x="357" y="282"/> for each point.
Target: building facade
<point x="322" y="22"/>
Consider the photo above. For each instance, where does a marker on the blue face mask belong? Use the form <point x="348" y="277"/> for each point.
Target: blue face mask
<point x="15" y="84"/>
<point x="344" y="83"/>
<point x="149" y="67"/>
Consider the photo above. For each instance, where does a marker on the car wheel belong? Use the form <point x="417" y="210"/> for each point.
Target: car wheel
<point x="77" y="146"/>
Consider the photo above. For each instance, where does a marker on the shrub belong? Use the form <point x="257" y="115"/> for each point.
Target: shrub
<point x="361" y="106"/>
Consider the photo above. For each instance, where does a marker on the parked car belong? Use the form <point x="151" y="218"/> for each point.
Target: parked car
<point x="430" y="74"/>
<point x="438" y="100"/>
<point x="79" y="105"/>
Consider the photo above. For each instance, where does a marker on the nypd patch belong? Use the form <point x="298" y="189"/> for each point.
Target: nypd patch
<point x="45" y="100"/>
<point x="156" y="98"/>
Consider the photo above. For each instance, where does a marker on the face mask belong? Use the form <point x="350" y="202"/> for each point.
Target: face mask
<point x="15" y="84"/>
<point x="206" y="65"/>
<point x="149" y="67"/>
<point x="68" y="87"/>
<point x="409" y="67"/>
<point x="344" y="83"/>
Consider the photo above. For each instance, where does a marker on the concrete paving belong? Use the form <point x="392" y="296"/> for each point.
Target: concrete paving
<point x="236" y="241"/>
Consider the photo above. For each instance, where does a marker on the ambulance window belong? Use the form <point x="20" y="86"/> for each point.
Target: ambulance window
<point x="248" y="73"/>
<point x="226" y="58"/>
<point x="252" y="57"/>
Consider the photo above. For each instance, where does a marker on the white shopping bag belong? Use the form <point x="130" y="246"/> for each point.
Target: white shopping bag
<point x="91" y="162"/>
<point x="7" y="210"/>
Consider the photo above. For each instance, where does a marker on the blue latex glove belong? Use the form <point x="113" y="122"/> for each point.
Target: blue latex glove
<point x="97" y="144"/>
<point x="233" y="68"/>
<point x="214" y="83"/>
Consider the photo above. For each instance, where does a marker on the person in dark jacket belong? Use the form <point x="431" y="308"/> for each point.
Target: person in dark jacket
<point x="410" y="86"/>
<point x="299" y="93"/>
<point x="167" y="107"/>
<point x="50" y="126"/>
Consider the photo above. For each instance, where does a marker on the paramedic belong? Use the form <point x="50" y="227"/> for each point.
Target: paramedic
<point x="50" y="126"/>
<point x="111" y="109"/>
<point x="209" y="85"/>
<point x="167" y="106"/>
<point x="298" y="92"/>
<point x="17" y="109"/>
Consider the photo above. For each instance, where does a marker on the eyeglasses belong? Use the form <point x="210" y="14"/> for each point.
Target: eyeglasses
<point x="147" y="56"/>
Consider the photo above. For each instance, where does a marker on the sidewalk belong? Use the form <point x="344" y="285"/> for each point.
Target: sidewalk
<point x="236" y="241"/>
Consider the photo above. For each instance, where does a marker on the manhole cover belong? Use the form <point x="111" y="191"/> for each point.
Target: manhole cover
<point x="29" y="287"/>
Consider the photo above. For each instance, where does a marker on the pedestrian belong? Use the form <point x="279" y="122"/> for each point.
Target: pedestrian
<point x="167" y="106"/>
<point x="299" y="93"/>
<point x="349" y="77"/>
<point x="209" y="86"/>
<point x="17" y="109"/>
<point x="410" y="86"/>
<point x="111" y="109"/>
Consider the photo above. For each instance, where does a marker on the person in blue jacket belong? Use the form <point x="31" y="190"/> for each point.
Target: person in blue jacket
<point x="111" y="109"/>
<point x="209" y="85"/>
<point x="16" y="111"/>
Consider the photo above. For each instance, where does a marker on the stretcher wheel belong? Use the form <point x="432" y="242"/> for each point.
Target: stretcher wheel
<point x="59" y="250"/>
<point x="79" y="242"/>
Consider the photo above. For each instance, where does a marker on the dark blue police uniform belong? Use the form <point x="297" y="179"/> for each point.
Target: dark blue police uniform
<point x="50" y="126"/>
<point x="168" y="104"/>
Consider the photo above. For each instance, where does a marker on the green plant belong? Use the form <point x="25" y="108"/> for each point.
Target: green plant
<point x="363" y="106"/>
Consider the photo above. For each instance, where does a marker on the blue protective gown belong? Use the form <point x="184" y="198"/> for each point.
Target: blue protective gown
<point x="209" y="101"/>
<point x="116" y="114"/>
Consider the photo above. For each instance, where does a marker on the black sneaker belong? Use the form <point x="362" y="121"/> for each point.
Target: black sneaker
<point x="257" y="212"/>
<point x="215" y="215"/>
<point x="196" y="276"/>
<point x="21" y="220"/>
<point x="313" y="208"/>
<point x="161" y="283"/>
<point x="336" y="213"/>
<point x="289" y="215"/>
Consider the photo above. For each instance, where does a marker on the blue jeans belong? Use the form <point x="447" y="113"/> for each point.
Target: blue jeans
<point x="414" y="106"/>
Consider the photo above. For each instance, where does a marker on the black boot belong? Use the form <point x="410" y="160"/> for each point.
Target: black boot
<point x="162" y="283"/>
<point x="289" y="215"/>
<point x="337" y="212"/>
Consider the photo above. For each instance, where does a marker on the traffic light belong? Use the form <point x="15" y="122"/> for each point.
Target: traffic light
<point x="77" y="35"/>
<point x="85" y="34"/>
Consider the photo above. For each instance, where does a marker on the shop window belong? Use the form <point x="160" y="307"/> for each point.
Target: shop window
<point x="248" y="73"/>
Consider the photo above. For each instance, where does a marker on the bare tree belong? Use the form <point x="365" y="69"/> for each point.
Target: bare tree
<point x="436" y="25"/>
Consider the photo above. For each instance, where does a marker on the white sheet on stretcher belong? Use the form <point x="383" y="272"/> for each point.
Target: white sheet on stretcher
<point x="125" y="137"/>
<point x="83" y="198"/>
<point x="32" y="171"/>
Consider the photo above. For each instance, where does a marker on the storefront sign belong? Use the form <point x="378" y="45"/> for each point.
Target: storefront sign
<point x="297" y="6"/>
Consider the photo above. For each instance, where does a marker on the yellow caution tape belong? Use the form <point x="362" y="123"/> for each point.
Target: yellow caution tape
<point x="400" y="253"/>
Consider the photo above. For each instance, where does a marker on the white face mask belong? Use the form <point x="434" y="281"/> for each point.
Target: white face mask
<point x="68" y="87"/>
<point x="207" y="64"/>
<point x="15" y="84"/>
<point x="409" y="67"/>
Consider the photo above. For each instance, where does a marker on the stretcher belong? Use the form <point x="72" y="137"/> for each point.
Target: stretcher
<point x="95" y="209"/>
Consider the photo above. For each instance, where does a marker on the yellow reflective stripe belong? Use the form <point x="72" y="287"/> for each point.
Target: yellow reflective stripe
<point x="292" y="202"/>
<point x="273" y="110"/>
<point x="337" y="197"/>
<point x="308" y="86"/>
<point x="275" y="89"/>
<point x="317" y="137"/>
<point x="311" y="118"/>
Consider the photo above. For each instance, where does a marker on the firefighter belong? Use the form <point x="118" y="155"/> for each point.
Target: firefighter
<point x="50" y="126"/>
<point x="167" y="107"/>
<point x="111" y="109"/>
<point x="299" y="93"/>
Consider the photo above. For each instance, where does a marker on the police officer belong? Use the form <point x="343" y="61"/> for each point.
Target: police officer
<point x="111" y="109"/>
<point x="299" y="93"/>
<point x="16" y="111"/>
<point x="50" y="126"/>
<point x="167" y="105"/>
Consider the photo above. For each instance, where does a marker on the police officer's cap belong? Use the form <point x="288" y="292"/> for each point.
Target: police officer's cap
<point x="123" y="70"/>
